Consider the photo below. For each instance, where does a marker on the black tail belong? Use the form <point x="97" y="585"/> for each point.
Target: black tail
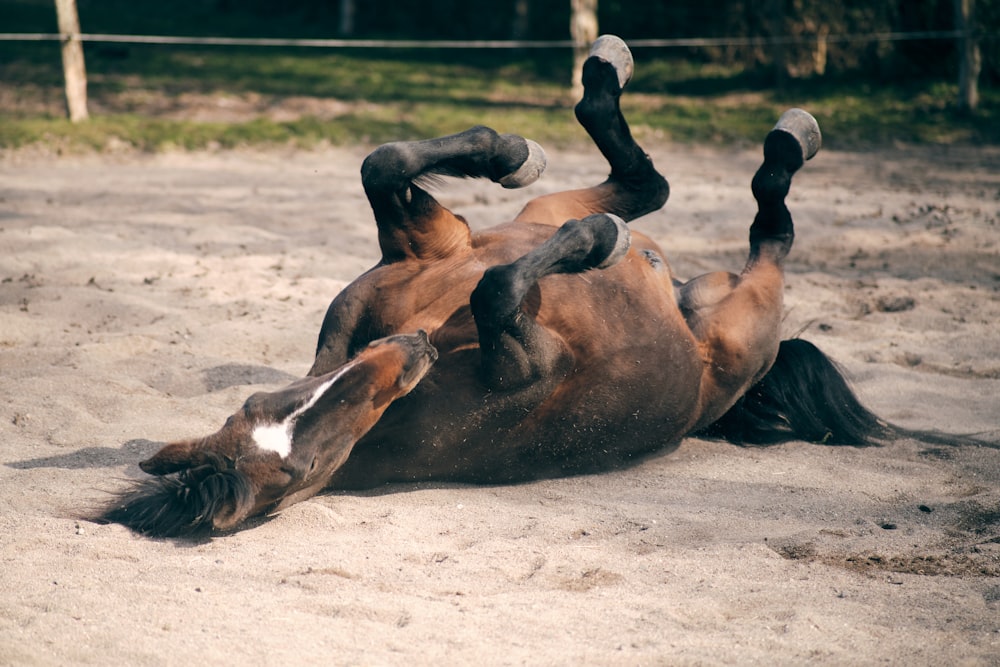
<point x="803" y="397"/>
<point x="181" y="504"/>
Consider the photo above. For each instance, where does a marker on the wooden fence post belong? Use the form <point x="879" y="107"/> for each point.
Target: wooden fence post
<point x="969" y="57"/>
<point x="583" y="31"/>
<point x="346" y="27"/>
<point x="72" y="58"/>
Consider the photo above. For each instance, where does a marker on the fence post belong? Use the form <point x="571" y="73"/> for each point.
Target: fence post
<point x="969" y="56"/>
<point x="346" y="28"/>
<point x="583" y="31"/>
<point x="72" y="58"/>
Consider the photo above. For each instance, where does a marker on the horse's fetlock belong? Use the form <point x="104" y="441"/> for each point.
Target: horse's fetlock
<point x="770" y="185"/>
<point x="783" y="148"/>
<point x="594" y="109"/>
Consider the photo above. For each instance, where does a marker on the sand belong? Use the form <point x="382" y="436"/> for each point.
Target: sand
<point x="143" y="297"/>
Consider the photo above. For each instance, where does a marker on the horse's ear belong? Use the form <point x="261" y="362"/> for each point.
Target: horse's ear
<point x="171" y="458"/>
<point x="415" y="367"/>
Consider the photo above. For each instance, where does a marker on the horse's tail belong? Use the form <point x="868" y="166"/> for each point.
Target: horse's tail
<point x="804" y="396"/>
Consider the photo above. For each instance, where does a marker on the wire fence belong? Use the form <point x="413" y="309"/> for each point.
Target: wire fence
<point x="680" y="42"/>
<point x="72" y="39"/>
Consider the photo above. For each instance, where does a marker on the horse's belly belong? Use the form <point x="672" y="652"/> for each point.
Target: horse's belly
<point x="631" y="387"/>
<point x="600" y="417"/>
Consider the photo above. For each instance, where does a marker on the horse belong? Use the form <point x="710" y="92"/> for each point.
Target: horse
<point x="558" y="343"/>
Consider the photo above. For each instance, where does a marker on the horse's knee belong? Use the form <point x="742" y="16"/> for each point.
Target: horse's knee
<point x="596" y="242"/>
<point x="515" y="350"/>
<point x="386" y="168"/>
<point x="497" y="297"/>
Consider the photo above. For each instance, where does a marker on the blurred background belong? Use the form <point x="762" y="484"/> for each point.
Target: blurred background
<point x="874" y="71"/>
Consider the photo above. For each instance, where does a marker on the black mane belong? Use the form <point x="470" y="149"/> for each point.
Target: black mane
<point x="181" y="504"/>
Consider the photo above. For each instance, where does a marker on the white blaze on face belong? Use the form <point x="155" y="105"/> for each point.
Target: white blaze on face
<point x="277" y="436"/>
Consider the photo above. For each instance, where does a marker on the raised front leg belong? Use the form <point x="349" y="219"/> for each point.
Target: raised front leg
<point x="515" y="349"/>
<point x="411" y="223"/>
<point x="413" y="226"/>
<point x="634" y="187"/>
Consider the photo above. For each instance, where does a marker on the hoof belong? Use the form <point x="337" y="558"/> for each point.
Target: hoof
<point x="801" y="125"/>
<point x="613" y="50"/>
<point x="530" y="169"/>
<point x="622" y="243"/>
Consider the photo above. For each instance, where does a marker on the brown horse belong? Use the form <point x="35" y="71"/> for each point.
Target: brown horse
<point x="555" y="344"/>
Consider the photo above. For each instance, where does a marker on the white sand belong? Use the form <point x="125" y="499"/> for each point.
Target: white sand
<point x="141" y="295"/>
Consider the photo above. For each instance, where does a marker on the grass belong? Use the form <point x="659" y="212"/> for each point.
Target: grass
<point x="387" y="96"/>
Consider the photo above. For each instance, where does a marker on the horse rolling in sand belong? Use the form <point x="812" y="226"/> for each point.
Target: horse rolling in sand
<point x="555" y="344"/>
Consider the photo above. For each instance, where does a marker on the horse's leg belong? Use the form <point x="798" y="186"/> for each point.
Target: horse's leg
<point x="737" y="319"/>
<point x="411" y="223"/>
<point x="634" y="187"/>
<point x="515" y="349"/>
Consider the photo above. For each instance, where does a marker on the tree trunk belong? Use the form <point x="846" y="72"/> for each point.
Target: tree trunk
<point x="72" y="57"/>
<point x="969" y="56"/>
<point x="583" y="31"/>
<point x="819" y="55"/>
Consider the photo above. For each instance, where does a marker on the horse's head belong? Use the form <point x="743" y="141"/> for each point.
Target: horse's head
<point x="281" y="447"/>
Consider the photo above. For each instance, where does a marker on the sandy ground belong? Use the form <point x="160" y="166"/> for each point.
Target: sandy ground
<point x="142" y="298"/>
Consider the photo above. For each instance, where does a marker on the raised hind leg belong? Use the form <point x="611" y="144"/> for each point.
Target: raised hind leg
<point x="515" y="349"/>
<point x="411" y="223"/>
<point x="737" y="318"/>
<point x="634" y="187"/>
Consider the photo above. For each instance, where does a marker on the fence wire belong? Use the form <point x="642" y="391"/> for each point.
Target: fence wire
<point x="681" y="42"/>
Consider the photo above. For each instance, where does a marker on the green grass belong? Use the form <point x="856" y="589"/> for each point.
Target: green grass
<point x="409" y="95"/>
